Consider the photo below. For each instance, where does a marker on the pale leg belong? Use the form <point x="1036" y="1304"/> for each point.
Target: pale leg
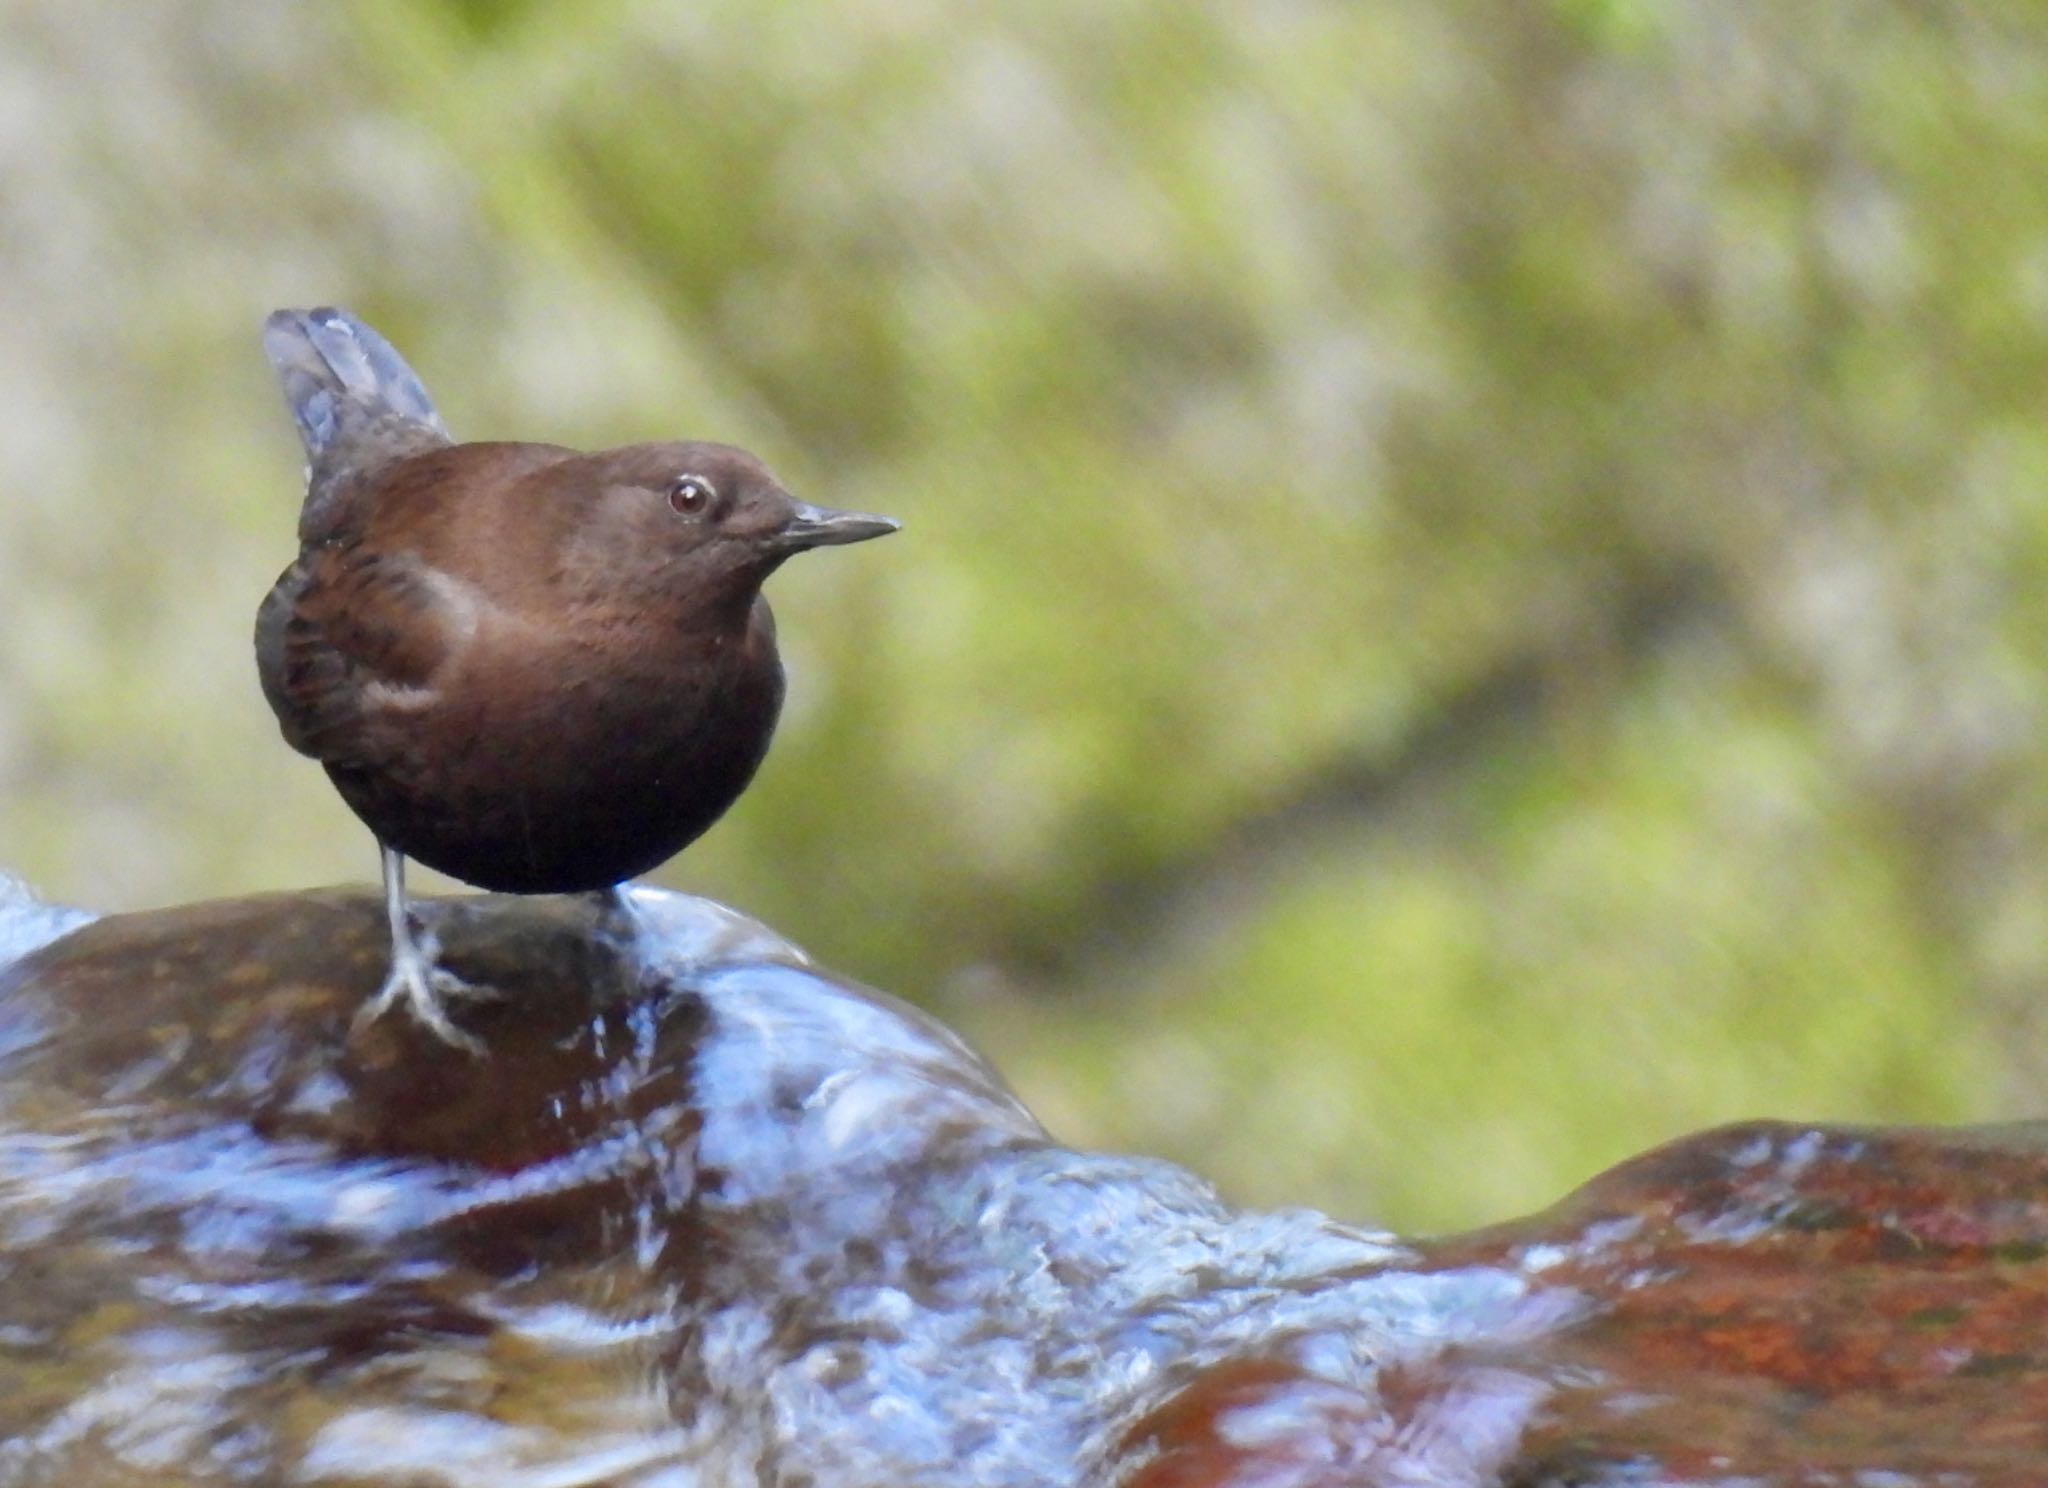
<point x="414" y="978"/>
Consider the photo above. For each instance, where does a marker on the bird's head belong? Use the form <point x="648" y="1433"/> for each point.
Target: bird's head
<point x="704" y="523"/>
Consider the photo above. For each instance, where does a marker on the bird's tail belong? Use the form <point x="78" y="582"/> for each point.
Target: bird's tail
<point x="343" y="380"/>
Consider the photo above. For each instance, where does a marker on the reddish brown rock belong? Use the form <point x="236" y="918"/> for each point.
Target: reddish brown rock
<point x="1772" y="1301"/>
<point x="707" y="1215"/>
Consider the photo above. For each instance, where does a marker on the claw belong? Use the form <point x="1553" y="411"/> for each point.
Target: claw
<point x="414" y="979"/>
<point x="421" y="986"/>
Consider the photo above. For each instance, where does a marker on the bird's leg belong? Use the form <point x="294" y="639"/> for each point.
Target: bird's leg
<point x="414" y="978"/>
<point x="611" y="912"/>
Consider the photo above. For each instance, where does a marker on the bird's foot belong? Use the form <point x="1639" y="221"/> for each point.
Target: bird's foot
<point x="421" y="985"/>
<point x="609" y="907"/>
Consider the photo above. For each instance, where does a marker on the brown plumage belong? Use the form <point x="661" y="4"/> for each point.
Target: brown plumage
<point x="533" y="669"/>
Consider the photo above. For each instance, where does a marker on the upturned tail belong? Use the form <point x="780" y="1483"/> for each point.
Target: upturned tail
<point x="336" y="371"/>
<point x="356" y="402"/>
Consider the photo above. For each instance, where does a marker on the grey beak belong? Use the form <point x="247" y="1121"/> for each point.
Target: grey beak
<point x="820" y="526"/>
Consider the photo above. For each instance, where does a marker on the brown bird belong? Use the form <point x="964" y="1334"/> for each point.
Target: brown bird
<point x="536" y="670"/>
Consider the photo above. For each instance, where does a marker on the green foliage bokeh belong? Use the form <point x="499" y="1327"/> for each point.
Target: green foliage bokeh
<point x="1468" y="596"/>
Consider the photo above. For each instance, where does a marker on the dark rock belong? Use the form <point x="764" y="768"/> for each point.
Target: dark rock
<point x="707" y="1215"/>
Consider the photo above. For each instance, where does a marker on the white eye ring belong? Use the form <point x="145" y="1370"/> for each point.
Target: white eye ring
<point x="689" y="495"/>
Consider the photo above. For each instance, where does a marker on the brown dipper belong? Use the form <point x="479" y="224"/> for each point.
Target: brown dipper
<point x="536" y="670"/>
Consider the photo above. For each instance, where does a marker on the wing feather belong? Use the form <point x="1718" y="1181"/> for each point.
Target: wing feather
<point x="349" y="643"/>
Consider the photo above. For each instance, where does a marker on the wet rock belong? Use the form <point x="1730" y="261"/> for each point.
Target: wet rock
<point x="708" y="1215"/>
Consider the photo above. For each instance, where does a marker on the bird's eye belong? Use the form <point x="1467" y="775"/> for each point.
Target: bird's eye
<point x="689" y="494"/>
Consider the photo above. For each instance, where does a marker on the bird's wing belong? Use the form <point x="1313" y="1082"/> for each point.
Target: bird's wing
<point x="350" y="642"/>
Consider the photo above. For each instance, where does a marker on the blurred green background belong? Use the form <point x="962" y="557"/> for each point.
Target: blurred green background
<point x="1472" y="590"/>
